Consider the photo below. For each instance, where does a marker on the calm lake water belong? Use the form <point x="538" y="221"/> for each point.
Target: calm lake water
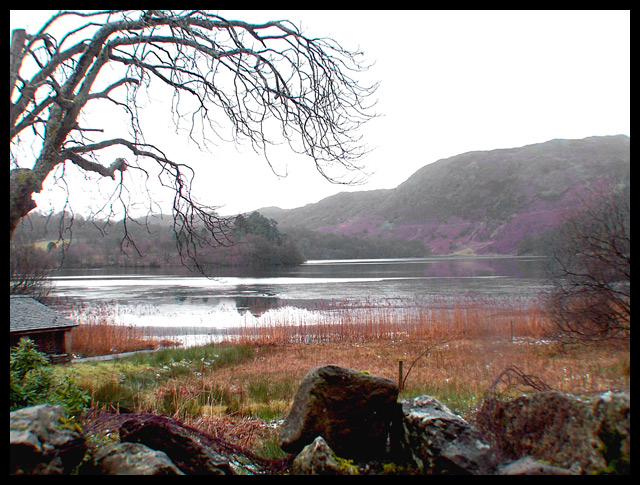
<point x="163" y="300"/>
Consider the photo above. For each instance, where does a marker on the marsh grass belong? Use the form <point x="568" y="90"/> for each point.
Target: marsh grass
<point x="474" y="317"/>
<point x="98" y="333"/>
<point x="456" y="354"/>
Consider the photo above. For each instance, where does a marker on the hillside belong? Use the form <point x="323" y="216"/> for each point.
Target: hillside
<point x="485" y="202"/>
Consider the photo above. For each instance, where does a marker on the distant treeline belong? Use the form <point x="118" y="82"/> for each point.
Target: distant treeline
<point x="256" y="242"/>
<point x="328" y="245"/>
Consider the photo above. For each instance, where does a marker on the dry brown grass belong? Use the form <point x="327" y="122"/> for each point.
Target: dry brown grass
<point x="461" y="363"/>
<point x="458" y="372"/>
<point x="242" y="431"/>
<point x="436" y="320"/>
<point x="97" y="334"/>
<point x="453" y="354"/>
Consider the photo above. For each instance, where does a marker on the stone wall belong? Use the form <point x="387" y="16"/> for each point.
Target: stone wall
<point x="347" y="422"/>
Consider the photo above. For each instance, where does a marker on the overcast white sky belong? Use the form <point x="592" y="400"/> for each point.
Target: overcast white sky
<point x="451" y="82"/>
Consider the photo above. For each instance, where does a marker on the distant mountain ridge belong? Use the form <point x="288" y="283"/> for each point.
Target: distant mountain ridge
<point x="481" y="202"/>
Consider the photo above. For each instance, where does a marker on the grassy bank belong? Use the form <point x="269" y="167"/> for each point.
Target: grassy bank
<point x="454" y="354"/>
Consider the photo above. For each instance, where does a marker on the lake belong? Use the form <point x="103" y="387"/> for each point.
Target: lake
<point x="193" y="304"/>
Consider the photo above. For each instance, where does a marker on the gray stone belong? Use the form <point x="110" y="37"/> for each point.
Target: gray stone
<point x="437" y="441"/>
<point x="351" y="410"/>
<point x="529" y="466"/>
<point x="588" y="434"/>
<point x="186" y="452"/>
<point x="40" y="443"/>
<point x="318" y="458"/>
<point x="134" y="459"/>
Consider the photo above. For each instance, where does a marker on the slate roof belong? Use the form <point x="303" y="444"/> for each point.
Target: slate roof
<point x="28" y="314"/>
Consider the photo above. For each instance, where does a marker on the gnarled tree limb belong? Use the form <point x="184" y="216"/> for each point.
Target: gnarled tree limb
<point x="249" y="78"/>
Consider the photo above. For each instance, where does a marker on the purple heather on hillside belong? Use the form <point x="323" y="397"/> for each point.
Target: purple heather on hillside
<point x="485" y="202"/>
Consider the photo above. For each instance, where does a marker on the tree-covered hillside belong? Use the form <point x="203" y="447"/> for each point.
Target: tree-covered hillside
<point x="254" y="241"/>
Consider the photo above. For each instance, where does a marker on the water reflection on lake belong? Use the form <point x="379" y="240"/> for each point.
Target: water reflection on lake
<point x="232" y="299"/>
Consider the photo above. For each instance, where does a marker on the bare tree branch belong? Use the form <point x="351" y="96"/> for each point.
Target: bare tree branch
<point x="264" y="82"/>
<point x="120" y="164"/>
<point x="590" y="299"/>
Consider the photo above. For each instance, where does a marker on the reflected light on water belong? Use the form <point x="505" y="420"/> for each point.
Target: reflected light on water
<point x="196" y="306"/>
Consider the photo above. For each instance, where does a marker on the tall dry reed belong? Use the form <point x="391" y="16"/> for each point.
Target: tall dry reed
<point x="500" y="318"/>
<point x="98" y="334"/>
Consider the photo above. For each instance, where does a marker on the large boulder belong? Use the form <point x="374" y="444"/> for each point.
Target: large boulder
<point x="437" y="441"/>
<point x="587" y="434"/>
<point x="351" y="410"/>
<point x="133" y="459"/>
<point x="42" y="443"/>
<point x="190" y="455"/>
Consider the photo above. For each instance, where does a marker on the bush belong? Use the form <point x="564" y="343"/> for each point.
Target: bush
<point x="32" y="380"/>
<point x="590" y="299"/>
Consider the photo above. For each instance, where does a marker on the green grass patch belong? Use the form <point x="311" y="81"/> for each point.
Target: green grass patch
<point x="163" y="381"/>
<point x="461" y="401"/>
<point x="264" y="390"/>
<point x="196" y="358"/>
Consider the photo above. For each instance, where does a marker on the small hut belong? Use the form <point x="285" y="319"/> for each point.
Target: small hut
<point x="49" y="331"/>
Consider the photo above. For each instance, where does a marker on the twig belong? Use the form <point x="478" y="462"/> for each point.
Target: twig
<point x="426" y="352"/>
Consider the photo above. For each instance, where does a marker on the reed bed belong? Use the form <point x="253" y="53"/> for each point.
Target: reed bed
<point x="473" y="318"/>
<point x="236" y="386"/>
<point x="98" y="333"/>
<point x="458" y="348"/>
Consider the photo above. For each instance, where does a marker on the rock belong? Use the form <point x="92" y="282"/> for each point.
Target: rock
<point x="186" y="452"/>
<point x="529" y="466"/>
<point x="318" y="459"/>
<point x="587" y="434"/>
<point x="133" y="459"/>
<point x="437" y="441"/>
<point x="41" y="444"/>
<point x="351" y="410"/>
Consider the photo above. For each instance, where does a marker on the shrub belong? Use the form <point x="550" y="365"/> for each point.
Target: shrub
<point x="590" y="299"/>
<point x="33" y="381"/>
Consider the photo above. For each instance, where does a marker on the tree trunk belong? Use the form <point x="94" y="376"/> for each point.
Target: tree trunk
<point x="20" y="201"/>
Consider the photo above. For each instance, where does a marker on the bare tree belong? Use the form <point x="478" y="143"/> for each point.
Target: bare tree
<point x="265" y="83"/>
<point x="29" y="270"/>
<point x="590" y="299"/>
